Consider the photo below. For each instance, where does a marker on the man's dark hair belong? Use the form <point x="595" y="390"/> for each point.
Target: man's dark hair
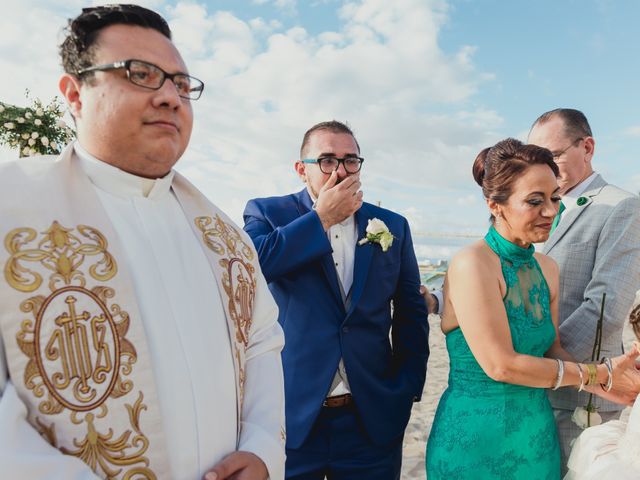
<point x="332" y="126"/>
<point x="78" y="48"/>
<point x="575" y="123"/>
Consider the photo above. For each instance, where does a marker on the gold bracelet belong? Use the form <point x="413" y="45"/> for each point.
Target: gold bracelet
<point x="593" y="373"/>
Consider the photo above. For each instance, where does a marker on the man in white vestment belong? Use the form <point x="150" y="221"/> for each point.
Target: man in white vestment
<point x="138" y="338"/>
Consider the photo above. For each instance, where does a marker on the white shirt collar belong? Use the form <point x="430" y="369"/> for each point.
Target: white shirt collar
<point x="348" y="222"/>
<point x="570" y="198"/>
<point x="118" y="182"/>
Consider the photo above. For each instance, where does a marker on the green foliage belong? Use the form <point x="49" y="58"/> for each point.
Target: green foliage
<point x="34" y="130"/>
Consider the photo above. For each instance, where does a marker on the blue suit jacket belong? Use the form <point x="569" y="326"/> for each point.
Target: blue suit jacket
<point x="385" y="374"/>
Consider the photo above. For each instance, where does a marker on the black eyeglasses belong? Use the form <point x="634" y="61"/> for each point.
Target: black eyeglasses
<point x="148" y="75"/>
<point x="557" y="155"/>
<point x="327" y="164"/>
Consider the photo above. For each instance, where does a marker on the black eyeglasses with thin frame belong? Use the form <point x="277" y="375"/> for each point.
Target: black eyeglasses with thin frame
<point x="557" y="155"/>
<point x="327" y="164"/>
<point x="148" y="75"/>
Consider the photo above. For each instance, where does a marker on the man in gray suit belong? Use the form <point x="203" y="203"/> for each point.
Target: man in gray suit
<point x="596" y="243"/>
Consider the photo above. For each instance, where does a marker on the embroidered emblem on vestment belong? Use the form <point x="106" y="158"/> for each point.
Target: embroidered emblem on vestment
<point x="75" y="341"/>
<point x="238" y="281"/>
<point x="238" y="272"/>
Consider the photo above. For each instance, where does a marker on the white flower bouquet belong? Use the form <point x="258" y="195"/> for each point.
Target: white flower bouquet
<point x="34" y="130"/>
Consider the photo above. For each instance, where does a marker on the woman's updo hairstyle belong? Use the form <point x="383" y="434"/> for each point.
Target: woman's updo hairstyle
<point x="497" y="168"/>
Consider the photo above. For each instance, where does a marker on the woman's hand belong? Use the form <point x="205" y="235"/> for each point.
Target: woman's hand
<point x="626" y="379"/>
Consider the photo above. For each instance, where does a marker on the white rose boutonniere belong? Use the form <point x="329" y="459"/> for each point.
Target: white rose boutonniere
<point x="378" y="232"/>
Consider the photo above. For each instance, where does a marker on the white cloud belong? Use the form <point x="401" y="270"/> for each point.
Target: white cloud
<point x="219" y="43"/>
<point x="633" y="131"/>
<point x="382" y="69"/>
<point x="287" y="6"/>
<point x="259" y="25"/>
<point x="522" y="135"/>
<point x="28" y="50"/>
<point x="468" y="200"/>
<point x="415" y="218"/>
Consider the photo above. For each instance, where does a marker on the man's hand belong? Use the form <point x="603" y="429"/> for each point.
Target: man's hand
<point x="337" y="202"/>
<point x="239" y="466"/>
<point x="430" y="299"/>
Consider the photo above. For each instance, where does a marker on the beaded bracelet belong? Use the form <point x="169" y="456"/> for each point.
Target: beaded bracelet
<point x="609" y="385"/>
<point x="581" y="377"/>
<point x="560" y="374"/>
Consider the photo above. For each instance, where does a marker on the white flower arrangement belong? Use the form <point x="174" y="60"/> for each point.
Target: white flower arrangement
<point x="377" y="232"/>
<point x="34" y="130"/>
<point x="585" y="417"/>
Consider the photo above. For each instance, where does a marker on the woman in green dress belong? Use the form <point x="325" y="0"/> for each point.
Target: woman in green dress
<point x="500" y="319"/>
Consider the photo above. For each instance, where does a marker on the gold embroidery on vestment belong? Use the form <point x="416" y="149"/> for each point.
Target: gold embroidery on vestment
<point x="75" y="342"/>
<point x="238" y="281"/>
<point x="238" y="272"/>
<point x="60" y="251"/>
<point x="85" y="355"/>
<point x="222" y="235"/>
<point x="98" y="449"/>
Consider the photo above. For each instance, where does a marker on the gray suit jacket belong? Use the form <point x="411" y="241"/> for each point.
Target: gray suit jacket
<point x="597" y="247"/>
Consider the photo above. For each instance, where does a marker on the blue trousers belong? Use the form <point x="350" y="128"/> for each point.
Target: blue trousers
<point x="338" y="448"/>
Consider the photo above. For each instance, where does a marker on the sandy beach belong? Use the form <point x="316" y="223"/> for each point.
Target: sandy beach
<point x="417" y="432"/>
<point x="423" y="412"/>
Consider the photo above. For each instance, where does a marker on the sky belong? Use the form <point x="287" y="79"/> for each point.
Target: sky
<point x="424" y="84"/>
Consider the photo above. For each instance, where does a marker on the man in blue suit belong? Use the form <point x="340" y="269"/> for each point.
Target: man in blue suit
<point x="355" y="322"/>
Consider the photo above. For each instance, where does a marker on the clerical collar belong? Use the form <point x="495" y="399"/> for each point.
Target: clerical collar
<point x="118" y="182"/>
<point x="570" y="198"/>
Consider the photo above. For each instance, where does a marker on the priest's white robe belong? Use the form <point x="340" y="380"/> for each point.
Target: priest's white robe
<point x="206" y="342"/>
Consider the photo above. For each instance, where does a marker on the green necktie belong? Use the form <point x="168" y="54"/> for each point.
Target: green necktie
<point x="557" y="219"/>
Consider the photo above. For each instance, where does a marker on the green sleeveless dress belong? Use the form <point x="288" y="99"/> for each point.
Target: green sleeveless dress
<point x="485" y="429"/>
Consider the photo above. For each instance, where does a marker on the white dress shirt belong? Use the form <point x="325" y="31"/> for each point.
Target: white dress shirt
<point x="181" y="312"/>
<point x="570" y="198"/>
<point x="343" y="237"/>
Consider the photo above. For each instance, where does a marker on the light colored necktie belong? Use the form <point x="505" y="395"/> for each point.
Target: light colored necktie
<point x="557" y="219"/>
